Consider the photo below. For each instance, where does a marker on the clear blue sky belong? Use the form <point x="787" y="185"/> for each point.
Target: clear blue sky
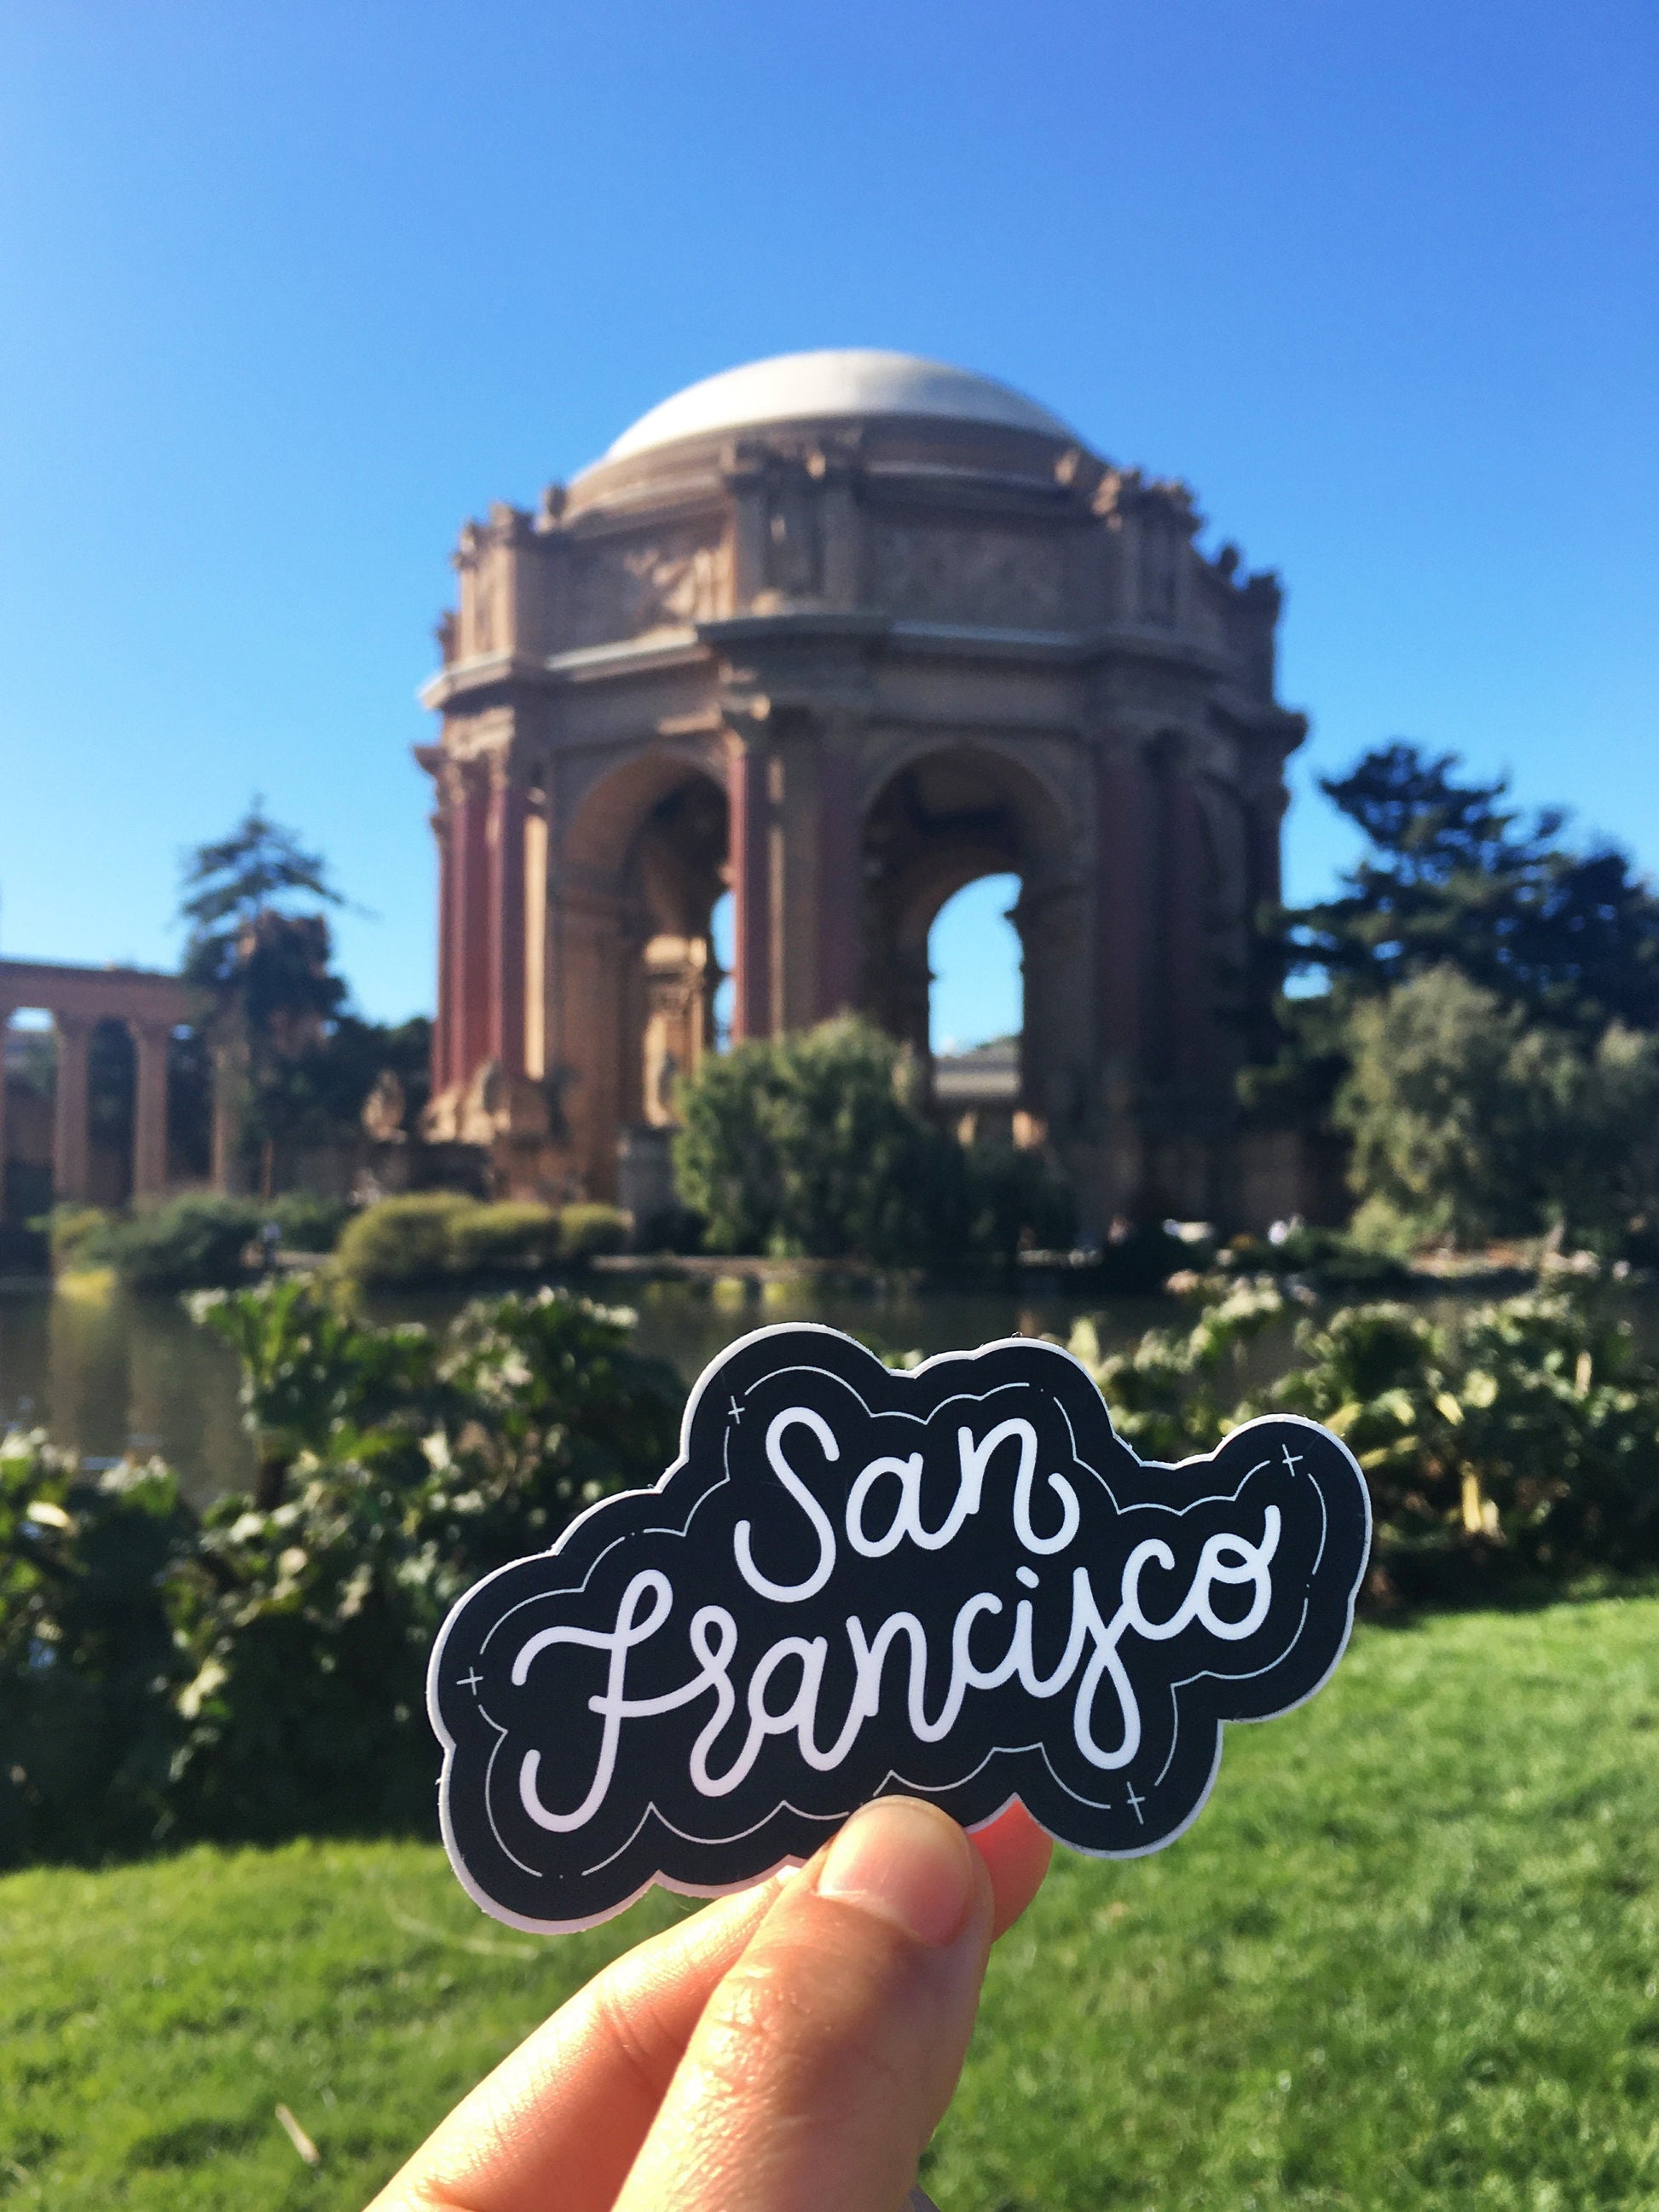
<point x="290" y="291"/>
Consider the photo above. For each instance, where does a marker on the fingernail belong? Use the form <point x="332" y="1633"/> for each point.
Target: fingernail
<point x="906" y="1861"/>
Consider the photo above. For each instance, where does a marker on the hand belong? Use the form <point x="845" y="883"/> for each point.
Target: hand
<point x="788" y="2049"/>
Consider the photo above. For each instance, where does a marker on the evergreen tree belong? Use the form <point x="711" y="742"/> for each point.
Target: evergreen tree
<point x="1456" y="876"/>
<point x="260" y="948"/>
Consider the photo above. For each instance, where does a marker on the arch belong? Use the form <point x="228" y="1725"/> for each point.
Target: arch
<point x="604" y="816"/>
<point x="945" y="816"/>
<point x="631" y="973"/>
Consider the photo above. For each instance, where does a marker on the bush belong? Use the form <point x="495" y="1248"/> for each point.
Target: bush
<point x="514" y="1233"/>
<point x="432" y="1234"/>
<point x="1017" y="1202"/>
<point x="1520" y="1437"/>
<point x="402" y="1240"/>
<point x="71" y="1230"/>
<point x="588" y="1229"/>
<point x="197" y="1241"/>
<point x="308" y="1223"/>
<point x="308" y="1625"/>
<point x="259" y="1671"/>
<point x="88" y="1661"/>
<point x="1325" y="1257"/>
<point x="806" y="1147"/>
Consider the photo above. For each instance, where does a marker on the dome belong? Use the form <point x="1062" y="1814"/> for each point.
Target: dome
<point x="810" y="387"/>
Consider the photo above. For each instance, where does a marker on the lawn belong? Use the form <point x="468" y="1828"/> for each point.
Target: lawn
<point x="1409" y="1956"/>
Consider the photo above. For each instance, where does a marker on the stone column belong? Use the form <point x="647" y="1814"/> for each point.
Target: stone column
<point x="750" y="844"/>
<point x="443" y="1028"/>
<point x="507" y="815"/>
<point x="69" y="1160"/>
<point x="229" y="1071"/>
<point x="593" y="955"/>
<point x="535" y="936"/>
<point x="149" y="1115"/>
<point x="840" y="871"/>
<point x="1121" y="880"/>
<point x="797" y="892"/>
<point x="470" y="1027"/>
<point x="1186" y="979"/>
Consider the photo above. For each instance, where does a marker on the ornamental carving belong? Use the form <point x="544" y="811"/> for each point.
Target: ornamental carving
<point x="793" y="554"/>
<point x="1002" y="579"/>
<point x="621" y="587"/>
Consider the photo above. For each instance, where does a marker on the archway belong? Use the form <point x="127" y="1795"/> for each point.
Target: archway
<point x="977" y="1010"/>
<point x="949" y="819"/>
<point x="641" y="868"/>
<point x="28" y="1087"/>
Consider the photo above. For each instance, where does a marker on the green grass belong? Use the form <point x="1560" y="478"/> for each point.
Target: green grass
<point x="1409" y="1956"/>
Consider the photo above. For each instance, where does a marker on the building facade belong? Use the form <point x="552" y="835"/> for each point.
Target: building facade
<point x="844" y="632"/>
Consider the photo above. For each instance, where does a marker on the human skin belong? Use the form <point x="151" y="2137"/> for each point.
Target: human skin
<point x="788" y="2049"/>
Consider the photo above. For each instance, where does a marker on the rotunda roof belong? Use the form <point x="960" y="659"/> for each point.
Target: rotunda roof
<point x="798" y="387"/>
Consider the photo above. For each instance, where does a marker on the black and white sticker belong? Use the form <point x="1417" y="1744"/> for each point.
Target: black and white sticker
<point x="957" y="1582"/>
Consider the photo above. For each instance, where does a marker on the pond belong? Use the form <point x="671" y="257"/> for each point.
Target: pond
<point x="106" y="1371"/>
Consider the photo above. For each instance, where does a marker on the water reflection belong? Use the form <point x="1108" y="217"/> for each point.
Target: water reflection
<point x="106" y="1371"/>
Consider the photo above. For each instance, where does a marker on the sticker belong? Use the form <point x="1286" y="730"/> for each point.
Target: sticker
<point x="957" y="1582"/>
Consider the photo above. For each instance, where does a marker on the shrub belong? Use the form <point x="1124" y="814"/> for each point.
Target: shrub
<point x="432" y="1234"/>
<point x="803" y="1146"/>
<point x="1017" y="1202"/>
<point x="514" y="1234"/>
<point x="1325" y="1257"/>
<point x="431" y="1462"/>
<point x="196" y="1240"/>
<point x="258" y="1671"/>
<point x="70" y="1230"/>
<point x="315" y="1379"/>
<point x="587" y="1230"/>
<point x="87" y="1655"/>
<point x="308" y="1223"/>
<point x="1519" y="1437"/>
<point x="402" y="1240"/>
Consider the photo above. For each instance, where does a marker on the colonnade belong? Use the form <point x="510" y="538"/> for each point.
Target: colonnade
<point x="150" y="1008"/>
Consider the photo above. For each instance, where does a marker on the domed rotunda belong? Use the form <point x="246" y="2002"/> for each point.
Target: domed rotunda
<point x="843" y="632"/>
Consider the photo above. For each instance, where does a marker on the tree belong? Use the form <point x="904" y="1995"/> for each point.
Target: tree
<point x="1470" y="1123"/>
<point x="811" y="1146"/>
<point x="803" y="1146"/>
<point x="1455" y="876"/>
<point x="260" y="949"/>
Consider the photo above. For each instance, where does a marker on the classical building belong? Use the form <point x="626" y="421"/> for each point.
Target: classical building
<point x="844" y="631"/>
<point x="150" y="1008"/>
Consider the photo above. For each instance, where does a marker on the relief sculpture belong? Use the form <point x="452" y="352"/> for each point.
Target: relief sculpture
<point x="622" y="586"/>
<point x="1007" y="579"/>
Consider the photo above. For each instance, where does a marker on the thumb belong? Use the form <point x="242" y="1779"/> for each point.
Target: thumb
<point x="826" y="2058"/>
